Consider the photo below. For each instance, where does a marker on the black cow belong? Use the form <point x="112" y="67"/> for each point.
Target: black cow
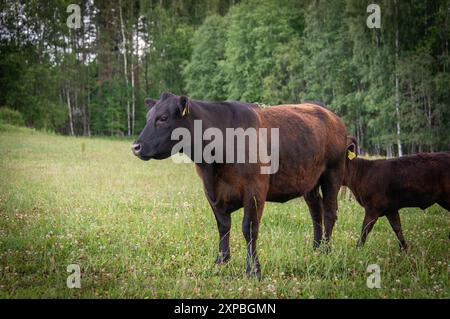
<point x="312" y="150"/>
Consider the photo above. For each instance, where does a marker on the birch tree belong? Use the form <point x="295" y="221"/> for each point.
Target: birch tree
<point x="125" y="66"/>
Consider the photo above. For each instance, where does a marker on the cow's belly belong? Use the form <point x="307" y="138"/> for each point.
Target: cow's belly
<point x="417" y="194"/>
<point x="292" y="183"/>
<point x="228" y="196"/>
<point x="282" y="198"/>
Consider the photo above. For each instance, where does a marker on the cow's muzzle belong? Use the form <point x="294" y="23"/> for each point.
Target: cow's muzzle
<point x="137" y="148"/>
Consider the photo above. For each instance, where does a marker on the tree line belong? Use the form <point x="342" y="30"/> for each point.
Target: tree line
<point x="391" y="85"/>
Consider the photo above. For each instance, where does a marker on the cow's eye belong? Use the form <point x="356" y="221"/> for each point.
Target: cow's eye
<point x="162" y="118"/>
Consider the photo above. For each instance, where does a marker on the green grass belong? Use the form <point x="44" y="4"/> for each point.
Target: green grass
<point x="145" y="230"/>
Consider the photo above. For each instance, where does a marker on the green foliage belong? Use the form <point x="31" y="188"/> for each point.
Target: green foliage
<point x="323" y="51"/>
<point x="204" y="74"/>
<point x="170" y="51"/>
<point x="10" y="116"/>
<point x="255" y="30"/>
<point x="286" y="81"/>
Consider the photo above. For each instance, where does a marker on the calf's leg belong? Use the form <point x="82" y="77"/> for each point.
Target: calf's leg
<point x="394" y="220"/>
<point x="253" y="208"/>
<point x="314" y="202"/>
<point x="369" y="221"/>
<point x="223" y="220"/>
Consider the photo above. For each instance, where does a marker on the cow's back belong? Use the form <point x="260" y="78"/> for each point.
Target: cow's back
<point x="425" y="175"/>
<point x="412" y="181"/>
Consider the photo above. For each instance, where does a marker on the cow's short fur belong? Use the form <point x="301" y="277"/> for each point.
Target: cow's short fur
<point x="382" y="187"/>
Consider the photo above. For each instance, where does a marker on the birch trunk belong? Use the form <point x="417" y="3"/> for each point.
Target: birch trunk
<point x="397" y="88"/>
<point x="70" y="112"/>
<point x="133" y="102"/>
<point x="429" y="119"/>
<point x="125" y="66"/>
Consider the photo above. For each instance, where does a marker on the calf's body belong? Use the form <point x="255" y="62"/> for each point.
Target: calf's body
<point x="383" y="187"/>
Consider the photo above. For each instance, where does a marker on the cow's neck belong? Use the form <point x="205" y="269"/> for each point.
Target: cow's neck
<point x="214" y="114"/>
<point x="222" y="116"/>
<point x="355" y="172"/>
<point x="219" y="115"/>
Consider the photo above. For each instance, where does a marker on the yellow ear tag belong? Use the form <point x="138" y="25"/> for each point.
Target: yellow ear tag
<point x="186" y="110"/>
<point x="351" y="155"/>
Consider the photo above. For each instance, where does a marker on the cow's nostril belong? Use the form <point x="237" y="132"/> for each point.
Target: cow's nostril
<point x="136" y="148"/>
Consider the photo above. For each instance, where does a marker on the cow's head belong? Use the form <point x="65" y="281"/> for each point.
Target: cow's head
<point x="163" y="116"/>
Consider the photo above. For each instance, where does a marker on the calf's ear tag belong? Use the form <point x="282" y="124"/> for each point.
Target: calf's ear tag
<point x="351" y="155"/>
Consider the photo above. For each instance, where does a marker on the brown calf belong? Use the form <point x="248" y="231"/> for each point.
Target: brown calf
<point x="382" y="187"/>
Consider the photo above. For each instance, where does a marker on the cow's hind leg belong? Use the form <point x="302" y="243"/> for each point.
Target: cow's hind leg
<point x="394" y="220"/>
<point x="369" y="221"/>
<point x="314" y="202"/>
<point x="330" y="183"/>
<point x="253" y="208"/>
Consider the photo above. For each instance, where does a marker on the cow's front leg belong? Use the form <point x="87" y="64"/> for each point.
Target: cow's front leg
<point x="223" y="218"/>
<point x="224" y="225"/>
<point x="250" y="227"/>
<point x="394" y="220"/>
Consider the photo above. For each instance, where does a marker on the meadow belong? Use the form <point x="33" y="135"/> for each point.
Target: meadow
<point x="145" y="230"/>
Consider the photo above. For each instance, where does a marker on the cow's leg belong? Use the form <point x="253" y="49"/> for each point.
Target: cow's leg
<point x="223" y="220"/>
<point x="370" y="219"/>
<point x="253" y="208"/>
<point x="394" y="220"/>
<point x="330" y="184"/>
<point x="314" y="202"/>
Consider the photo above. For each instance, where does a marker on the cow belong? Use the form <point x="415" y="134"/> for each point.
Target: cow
<point x="312" y="151"/>
<point x="383" y="187"/>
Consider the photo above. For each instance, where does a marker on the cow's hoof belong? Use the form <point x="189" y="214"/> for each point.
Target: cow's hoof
<point x="403" y="248"/>
<point x="255" y="273"/>
<point x="325" y="248"/>
<point x="222" y="260"/>
<point x="316" y="245"/>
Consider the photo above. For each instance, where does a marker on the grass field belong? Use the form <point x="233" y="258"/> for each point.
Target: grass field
<point x="145" y="230"/>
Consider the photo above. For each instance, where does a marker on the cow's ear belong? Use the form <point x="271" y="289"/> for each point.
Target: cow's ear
<point x="150" y="103"/>
<point x="183" y="105"/>
<point x="165" y="95"/>
<point x="351" y="147"/>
